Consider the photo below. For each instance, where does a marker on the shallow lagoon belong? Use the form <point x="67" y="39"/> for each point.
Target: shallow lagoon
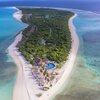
<point x="9" y="27"/>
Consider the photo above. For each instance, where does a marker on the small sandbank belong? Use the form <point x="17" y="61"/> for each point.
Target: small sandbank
<point x="25" y="87"/>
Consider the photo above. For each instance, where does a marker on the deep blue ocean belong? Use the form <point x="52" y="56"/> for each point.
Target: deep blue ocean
<point x="76" y="4"/>
<point x="84" y="83"/>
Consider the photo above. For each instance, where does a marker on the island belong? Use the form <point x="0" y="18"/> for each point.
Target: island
<point x="45" y="52"/>
<point x="46" y="42"/>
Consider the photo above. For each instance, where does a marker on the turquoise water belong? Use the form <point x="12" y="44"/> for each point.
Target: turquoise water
<point x="84" y="83"/>
<point x="88" y="29"/>
<point x="50" y="66"/>
<point x="9" y="27"/>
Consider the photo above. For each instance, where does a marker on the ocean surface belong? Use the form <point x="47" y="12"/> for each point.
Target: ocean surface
<point x="91" y="5"/>
<point x="9" y="27"/>
<point x="84" y="83"/>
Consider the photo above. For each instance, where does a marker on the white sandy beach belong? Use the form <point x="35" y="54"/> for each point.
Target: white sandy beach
<point x="68" y="66"/>
<point x="25" y="87"/>
<point x="18" y="15"/>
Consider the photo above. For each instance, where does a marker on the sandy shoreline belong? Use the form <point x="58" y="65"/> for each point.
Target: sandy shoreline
<point x="18" y="15"/>
<point x="56" y="89"/>
<point x="25" y="89"/>
<point x="19" y="92"/>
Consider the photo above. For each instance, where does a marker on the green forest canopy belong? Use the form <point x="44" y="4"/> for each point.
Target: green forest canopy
<point x="47" y="35"/>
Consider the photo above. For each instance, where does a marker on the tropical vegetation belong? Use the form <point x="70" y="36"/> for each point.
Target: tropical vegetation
<point x="47" y="35"/>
